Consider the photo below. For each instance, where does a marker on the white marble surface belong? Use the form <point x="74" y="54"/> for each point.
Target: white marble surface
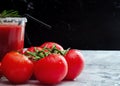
<point x="102" y="68"/>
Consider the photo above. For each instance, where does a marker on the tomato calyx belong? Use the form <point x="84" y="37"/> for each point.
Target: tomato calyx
<point x="37" y="54"/>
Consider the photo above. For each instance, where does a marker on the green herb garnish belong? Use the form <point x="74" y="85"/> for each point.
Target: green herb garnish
<point x="9" y="13"/>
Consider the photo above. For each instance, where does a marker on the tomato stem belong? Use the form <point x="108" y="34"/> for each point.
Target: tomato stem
<point x="38" y="54"/>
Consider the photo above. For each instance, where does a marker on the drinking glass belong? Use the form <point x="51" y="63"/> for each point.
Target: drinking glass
<point x="12" y="30"/>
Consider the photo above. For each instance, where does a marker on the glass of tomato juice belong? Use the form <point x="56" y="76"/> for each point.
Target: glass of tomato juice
<point x="12" y="31"/>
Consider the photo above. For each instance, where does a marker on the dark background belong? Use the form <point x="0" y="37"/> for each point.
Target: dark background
<point x="81" y="24"/>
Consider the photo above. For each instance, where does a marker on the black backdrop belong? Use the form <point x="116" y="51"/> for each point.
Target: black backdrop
<point x="81" y="24"/>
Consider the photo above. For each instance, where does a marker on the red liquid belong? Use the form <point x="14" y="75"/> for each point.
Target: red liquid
<point x="11" y="38"/>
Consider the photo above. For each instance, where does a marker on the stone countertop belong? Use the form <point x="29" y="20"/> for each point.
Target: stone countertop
<point x="101" y="69"/>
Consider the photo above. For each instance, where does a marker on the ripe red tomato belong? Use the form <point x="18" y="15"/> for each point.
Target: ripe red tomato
<point x="33" y="49"/>
<point x="51" y="44"/>
<point x="16" y="67"/>
<point x="51" y="69"/>
<point x="0" y="71"/>
<point x="75" y="63"/>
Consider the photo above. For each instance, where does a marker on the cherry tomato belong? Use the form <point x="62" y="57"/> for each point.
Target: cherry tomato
<point x="75" y="62"/>
<point x="51" y="44"/>
<point x="51" y="69"/>
<point x="16" y="67"/>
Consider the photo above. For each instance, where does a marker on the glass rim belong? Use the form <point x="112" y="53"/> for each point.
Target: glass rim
<point x="14" y="18"/>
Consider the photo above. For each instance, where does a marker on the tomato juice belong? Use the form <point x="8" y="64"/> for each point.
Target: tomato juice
<point x="11" y="37"/>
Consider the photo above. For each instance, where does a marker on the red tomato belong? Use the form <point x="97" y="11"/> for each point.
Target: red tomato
<point x="16" y="67"/>
<point x="75" y="63"/>
<point x="51" y="44"/>
<point x="33" y="49"/>
<point x="51" y="69"/>
<point x="0" y="71"/>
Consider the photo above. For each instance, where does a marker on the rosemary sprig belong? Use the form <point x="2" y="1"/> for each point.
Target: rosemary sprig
<point x="9" y="13"/>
